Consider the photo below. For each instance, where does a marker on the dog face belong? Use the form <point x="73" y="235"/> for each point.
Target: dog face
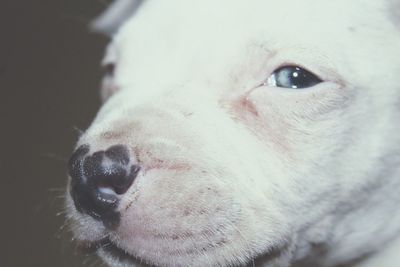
<point x="238" y="132"/>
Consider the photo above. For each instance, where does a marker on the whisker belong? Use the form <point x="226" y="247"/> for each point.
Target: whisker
<point x="58" y="214"/>
<point x="61" y="197"/>
<point x="78" y="130"/>
<point x="62" y="231"/>
<point x="56" y="189"/>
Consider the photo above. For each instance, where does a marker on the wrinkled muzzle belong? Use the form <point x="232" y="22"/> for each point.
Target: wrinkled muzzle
<point x="165" y="182"/>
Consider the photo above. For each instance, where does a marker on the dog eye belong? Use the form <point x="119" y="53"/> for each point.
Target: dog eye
<point x="109" y="69"/>
<point x="293" y="77"/>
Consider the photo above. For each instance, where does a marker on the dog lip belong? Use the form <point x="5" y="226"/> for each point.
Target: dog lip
<point x="111" y="249"/>
<point x="105" y="245"/>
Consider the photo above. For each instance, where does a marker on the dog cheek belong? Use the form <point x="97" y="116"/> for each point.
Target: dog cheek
<point x="264" y="123"/>
<point x="107" y="88"/>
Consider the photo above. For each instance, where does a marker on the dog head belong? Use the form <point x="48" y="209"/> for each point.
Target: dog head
<point x="240" y="130"/>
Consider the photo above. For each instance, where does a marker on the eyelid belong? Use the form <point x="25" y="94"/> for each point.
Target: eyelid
<point x="309" y="59"/>
<point x="301" y="66"/>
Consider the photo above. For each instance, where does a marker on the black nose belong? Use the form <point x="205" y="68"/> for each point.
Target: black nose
<point x="98" y="181"/>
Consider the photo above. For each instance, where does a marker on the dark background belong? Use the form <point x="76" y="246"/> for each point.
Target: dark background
<point x="49" y="78"/>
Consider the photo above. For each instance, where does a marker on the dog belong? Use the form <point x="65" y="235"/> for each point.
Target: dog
<point x="243" y="133"/>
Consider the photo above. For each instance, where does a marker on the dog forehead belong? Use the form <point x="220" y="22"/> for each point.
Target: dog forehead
<point x="179" y="38"/>
<point x="207" y="20"/>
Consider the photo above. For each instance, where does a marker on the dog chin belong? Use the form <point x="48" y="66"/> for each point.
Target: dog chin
<point x="115" y="256"/>
<point x="211" y="247"/>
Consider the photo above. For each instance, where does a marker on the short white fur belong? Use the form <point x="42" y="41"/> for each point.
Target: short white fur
<point x="304" y="177"/>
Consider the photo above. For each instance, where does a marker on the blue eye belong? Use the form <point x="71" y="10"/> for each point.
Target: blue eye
<point x="293" y="77"/>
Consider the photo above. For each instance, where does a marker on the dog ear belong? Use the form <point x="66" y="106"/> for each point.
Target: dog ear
<point x="394" y="7"/>
<point x="118" y="12"/>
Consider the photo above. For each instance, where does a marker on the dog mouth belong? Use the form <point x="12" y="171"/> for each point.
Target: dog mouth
<point x="108" y="249"/>
<point x="113" y="251"/>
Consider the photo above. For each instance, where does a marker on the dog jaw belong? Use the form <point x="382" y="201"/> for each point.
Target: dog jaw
<point x="183" y="208"/>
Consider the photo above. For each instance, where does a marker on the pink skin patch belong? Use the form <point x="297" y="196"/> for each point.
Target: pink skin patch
<point x="274" y="133"/>
<point x="243" y="104"/>
<point x="149" y="161"/>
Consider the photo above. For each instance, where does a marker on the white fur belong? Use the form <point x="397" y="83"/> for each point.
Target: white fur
<point x="310" y="174"/>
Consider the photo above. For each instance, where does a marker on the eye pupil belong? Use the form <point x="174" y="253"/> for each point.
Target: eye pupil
<point x="294" y="77"/>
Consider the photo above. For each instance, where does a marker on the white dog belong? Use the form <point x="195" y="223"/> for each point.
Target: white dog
<point x="234" y="133"/>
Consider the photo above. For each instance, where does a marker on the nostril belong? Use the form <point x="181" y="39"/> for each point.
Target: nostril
<point x="115" y="179"/>
<point x="121" y="183"/>
<point x="118" y="154"/>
